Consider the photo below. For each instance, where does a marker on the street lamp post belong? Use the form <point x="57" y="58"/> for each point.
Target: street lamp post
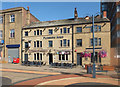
<point x="94" y="71"/>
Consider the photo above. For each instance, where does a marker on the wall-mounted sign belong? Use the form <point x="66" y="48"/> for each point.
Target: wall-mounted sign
<point x="57" y="37"/>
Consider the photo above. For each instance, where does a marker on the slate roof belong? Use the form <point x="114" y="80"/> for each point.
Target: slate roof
<point x="65" y="22"/>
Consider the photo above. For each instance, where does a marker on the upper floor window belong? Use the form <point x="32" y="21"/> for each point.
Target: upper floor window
<point x="91" y="42"/>
<point x="99" y="40"/>
<point x="0" y="33"/>
<point x="37" y="43"/>
<point x="26" y="33"/>
<point x="40" y="43"/>
<point x="68" y="30"/>
<point x="1" y="19"/>
<point x="50" y="31"/>
<point x="34" y="32"/>
<point x="96" y="28"/>
<point x="65" y="30"/>
<point x="96" y="41"/>
<point x="118" y="8"/>
<point x="40" y="56"/>
<point x="118" y="20"/>
<point x="60" y="43"/>
<point x="37" y="32"/>
<point x="78" y="29"/>
<point x="12" y="33"/>
<point x="26" y="44"/>
<point x="34" y="56"/>
<point x="34" y="43"/>
<point x="68" y="43"/>
<point x="64" y="42"/>
<point x="12" y="18"/>
<point x="79" y="42"/>
<point x="61" y="31"/>
<point x="40" y="32"/>
<point x="50" y="43"/>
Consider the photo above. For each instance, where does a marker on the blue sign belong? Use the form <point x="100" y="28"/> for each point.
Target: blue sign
<point x="2" y="41"/>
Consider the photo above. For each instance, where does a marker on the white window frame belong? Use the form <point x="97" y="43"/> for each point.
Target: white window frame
<point x="12" y="18"/>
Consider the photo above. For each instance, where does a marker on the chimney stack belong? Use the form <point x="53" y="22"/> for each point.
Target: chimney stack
<point x="104" y="14"/>
<point x="28" y="15"/>
<point x="75" y="13"/>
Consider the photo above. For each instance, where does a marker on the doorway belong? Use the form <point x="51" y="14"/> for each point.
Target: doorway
<point x="50" y="58"/>
<point x="26" y="58"/>
<point x="79" y="59"/>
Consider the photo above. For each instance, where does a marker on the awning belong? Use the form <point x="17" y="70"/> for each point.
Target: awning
<point x="13" y="46"/>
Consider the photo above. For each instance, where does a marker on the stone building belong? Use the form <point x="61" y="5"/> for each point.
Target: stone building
<point x="11" y="21"/>
<point x="65" y="40"/>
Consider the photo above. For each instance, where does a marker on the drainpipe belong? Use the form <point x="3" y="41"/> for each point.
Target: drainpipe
<point x="4" y="36"/>
<point x="72" y="45"/>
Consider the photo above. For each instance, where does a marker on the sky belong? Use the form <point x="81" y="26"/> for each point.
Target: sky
<point x="46" y="11"/>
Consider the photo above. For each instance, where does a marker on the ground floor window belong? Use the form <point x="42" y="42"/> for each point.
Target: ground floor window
<point x="97" y="58"/>
<point x="37" y="56"/>
<point x="63" y="56"/>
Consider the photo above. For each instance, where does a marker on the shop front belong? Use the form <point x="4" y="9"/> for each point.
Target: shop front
<point x="13" y="52"/>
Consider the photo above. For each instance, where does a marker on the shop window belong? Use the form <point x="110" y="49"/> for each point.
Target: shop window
<point x="26" y="44"/>
<point x="40" y="43"/>
<point x="63" y="57"/>
<point x="40" y="56"/>
<point x="79" y="42"/>
<point x="12" y="33"/>
<point x="26" y="33"/>
<point x="34" y="56"/>
<point x="1" y="19"/>
<point x="34" y="33"/>
<point x="37" y="32"/>
<point x="65" y="30"/>
<point x="40" y="32"/>
<point x="37" y="56"/>
<point x="59" y="56"/>
<point x="66" y="56"/>
<point x="37" y="43"/>
<point x="34" y="43"/>
<point x="50" y="31"/>
<point x="50" y="43"/>
<point x="78" y="29"/>
<point x="0" y="33"/>
<point x="12" y="18"/>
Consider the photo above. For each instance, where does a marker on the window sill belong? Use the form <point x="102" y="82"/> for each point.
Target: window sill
<point x="78" y="46"/>
<point x="12" y="22"/>
<point x="64" y="47"/>
<point x="11" y="37"/>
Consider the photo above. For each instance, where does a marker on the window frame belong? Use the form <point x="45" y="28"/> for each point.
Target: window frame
<point x="80" y="44"/>
<point x="50" y="42"/>
<point x="50" y="31"/>
<point x="12" y="33"/>
<point x="12" y="18"/>
<point x="26" y="32"/>
<point x="78" y="31"/>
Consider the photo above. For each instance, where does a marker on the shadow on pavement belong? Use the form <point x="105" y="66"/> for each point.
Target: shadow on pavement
<point x="6" y="82"/>
<point x="91" y="84"/>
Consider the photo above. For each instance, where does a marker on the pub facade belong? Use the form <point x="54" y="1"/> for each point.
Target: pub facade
<point x="64" y="41"/>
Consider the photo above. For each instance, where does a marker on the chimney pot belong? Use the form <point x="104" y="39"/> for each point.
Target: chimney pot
<point x="28" y="8"/>
<point x="75" y="13"/>
<point x="104" y="14"/>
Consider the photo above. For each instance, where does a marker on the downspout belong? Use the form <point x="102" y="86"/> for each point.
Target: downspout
<point x="4" y="36"/>
<point x="72" y="45"/>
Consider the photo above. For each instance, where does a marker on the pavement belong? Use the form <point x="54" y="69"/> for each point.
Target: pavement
<point x="31" y="76"/>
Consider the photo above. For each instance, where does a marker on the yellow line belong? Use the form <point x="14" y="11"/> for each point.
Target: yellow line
<point x="23" y="71"/>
